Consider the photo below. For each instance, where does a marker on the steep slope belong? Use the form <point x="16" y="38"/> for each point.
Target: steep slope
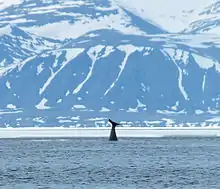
<point x="208" y="21"/>
<point x="79" y="62"/>
<point x="132" y="76"/>
<point x="17" y="45"/>
<point x="171" y="15"/>
<point x="44" y="17"/>
<point x="101" y="72"/>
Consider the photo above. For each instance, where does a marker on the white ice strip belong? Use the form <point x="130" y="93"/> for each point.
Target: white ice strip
<point x="79" y="106"/>
<point x="75" y="118"/>
<point x="152" y="122"/>
<point x="55" y="6"/>
<point x="96" y="119"/>
<point x="203" y="83"/>
<point x="104" y="109"/>
<point x="93" y="53"/>
<point x="169" y="112"/>
<point x="70" y="55"/>
<point x="47" y="83"/>
<point x="214" y="119"/>
<point x="128" y="49"/>
<point x="22" y="64"/>
<point x="41" y="105"/>
<point x="17" y="21"/>
<point x="181" y="87"/>
<point x="10" y="112"/>
<point x="11" y="16"/>
<point x="104" y="132"/>
<point x="65" y="121"/>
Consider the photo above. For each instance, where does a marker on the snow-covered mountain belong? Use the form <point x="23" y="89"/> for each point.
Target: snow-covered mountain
<point x="76" y="63"/>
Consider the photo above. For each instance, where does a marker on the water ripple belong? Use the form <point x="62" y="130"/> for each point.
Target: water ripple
<point x="160" y="163"/>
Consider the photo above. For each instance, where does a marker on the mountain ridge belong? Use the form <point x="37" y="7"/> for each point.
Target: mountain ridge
<point x="107" y="58"/>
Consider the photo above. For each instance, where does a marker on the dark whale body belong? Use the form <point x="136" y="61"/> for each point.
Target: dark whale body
<point x="113" y="136"/>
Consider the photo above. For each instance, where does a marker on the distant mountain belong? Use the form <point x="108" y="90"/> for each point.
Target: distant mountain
<point x="208" y="21"/>
<point x="76" y="63"/>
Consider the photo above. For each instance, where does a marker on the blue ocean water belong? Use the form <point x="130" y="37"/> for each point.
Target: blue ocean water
<point x="171" y="163"/>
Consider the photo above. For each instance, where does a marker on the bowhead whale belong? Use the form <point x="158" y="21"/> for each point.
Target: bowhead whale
<point x="113" y="136"/>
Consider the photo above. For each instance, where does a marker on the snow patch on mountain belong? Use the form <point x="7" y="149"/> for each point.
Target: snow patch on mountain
<point x="5" y="30"/>
<point x="169" y="52"/>
<point x="178" y="55"/>
<point x="8" y="85"/>
<point x="140" y="105"/>
<point x="7" y="3"/>
<point x="159" y="64"/>
<point x="84" y="23"/>
<point x="79" y="106"/>
<point x="70" y="55"/>
<point x="173" y="18"/>
<point x="208" y="20"/>
<point x="104" y="109"/>
<point x="93" y="53"/>
<point x="39" y="68"/>
<point x="42" y="104"/>
<point x="206" y="63"/>
<point x="128" y="50"/>
<point x="22" y="64"/>
<point x="108" y="51"/>
<point x="39" y="120"/>
<point x="11" y="106"/>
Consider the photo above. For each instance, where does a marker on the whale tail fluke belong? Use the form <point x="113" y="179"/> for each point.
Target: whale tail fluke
<point x="113" y="136"/>
<point x="113" y="123"/>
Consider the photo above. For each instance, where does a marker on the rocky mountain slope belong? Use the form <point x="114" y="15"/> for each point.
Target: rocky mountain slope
<point x="76" y="63"/>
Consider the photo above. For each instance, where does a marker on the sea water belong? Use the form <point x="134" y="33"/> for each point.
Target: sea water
<point x="172" y="163"/>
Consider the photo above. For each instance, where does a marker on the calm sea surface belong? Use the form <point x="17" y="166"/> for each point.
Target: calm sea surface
<point x="171" y="163"/>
